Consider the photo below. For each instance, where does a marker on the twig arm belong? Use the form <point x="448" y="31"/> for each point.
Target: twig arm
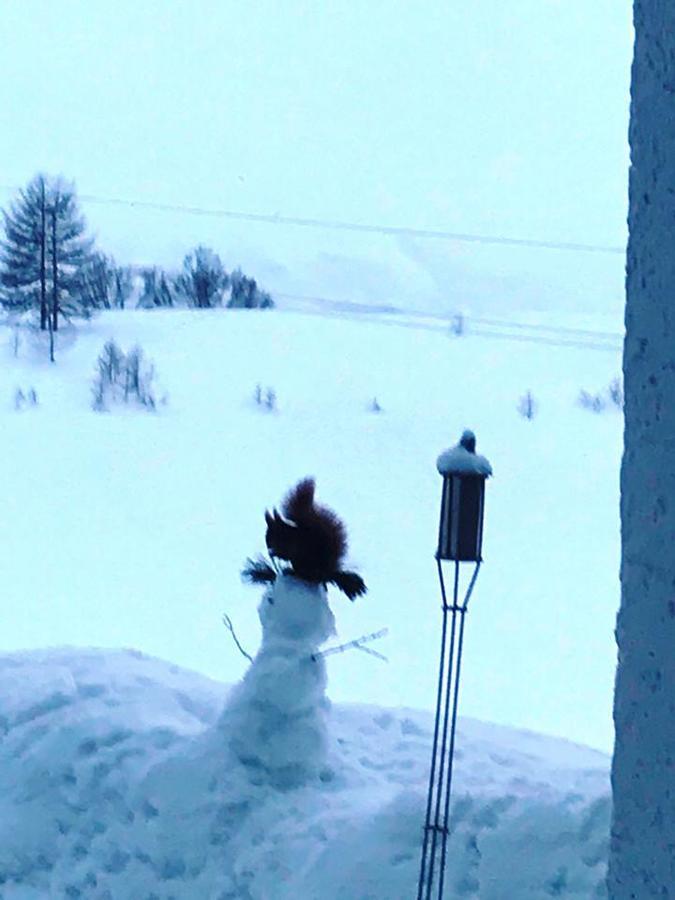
<point x="356" y="643"/>
<point x="227" y="622"/>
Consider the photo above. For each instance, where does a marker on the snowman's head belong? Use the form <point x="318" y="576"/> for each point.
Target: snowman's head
<point x="293" y="610"/>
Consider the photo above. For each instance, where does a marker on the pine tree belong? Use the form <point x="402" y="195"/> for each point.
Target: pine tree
<point x="43" y="252"/>
<point x="123" y="286"/>
<point x="69" y="253"/>
<point x="246" y="294"/>
<point x="23" y="263"/>
<point x="156" y="290"/>
<point x="98" y="282"/>
<point x="203" y="279"/>
<point x="103" y="284"/>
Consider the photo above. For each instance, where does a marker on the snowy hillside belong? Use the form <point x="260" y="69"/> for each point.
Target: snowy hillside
<point x="127" y="529"/>
<point x="115" y="782"/>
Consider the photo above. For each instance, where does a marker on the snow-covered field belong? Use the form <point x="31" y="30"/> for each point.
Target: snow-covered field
<point x="128" y="529"/>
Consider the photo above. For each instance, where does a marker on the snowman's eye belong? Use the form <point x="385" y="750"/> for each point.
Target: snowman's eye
<point x="270" y="600"/>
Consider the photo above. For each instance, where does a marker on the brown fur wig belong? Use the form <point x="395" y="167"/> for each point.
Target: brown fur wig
<point x="311" y="538"/>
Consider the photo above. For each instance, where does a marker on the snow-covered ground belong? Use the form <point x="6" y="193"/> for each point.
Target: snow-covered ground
<point x="116" y="783"/>
<point x="129" y="529"/>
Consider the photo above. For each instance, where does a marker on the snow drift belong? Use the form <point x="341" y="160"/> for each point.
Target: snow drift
<point x="117" y="783"/>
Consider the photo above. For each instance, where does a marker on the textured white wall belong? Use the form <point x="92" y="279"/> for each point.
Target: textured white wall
<point x="642" y="859"/>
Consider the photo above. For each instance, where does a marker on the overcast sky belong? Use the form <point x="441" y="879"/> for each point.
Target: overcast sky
<point x="501" y="117"/>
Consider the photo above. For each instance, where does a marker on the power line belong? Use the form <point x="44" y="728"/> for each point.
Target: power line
<point x="554" y="329"/>
<point x="382" y="309"/>
<point x="597" y="340"/>
<point x="551" y="342"/>
<point x="359" y="227"/>
<point x="329" y="224"/>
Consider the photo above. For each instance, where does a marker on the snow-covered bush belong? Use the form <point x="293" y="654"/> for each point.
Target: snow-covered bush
<point x="615" y="391"/>
<point x="123" y="378"/>
<point x="612" y="396"/>
<point x="25" y="398"/>
<point x="265" y="398"/>
<point x="246" y="294"/>
<point x="111" y="362"/>
<point x="271" y="399"/>
<point x="594" y="402"/>
<point x="527" y="406"/>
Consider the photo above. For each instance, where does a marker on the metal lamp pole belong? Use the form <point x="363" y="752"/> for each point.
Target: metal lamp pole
<point x="460" y="541"/>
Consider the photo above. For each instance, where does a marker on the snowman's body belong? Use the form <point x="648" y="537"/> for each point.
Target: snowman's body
<point x="275" y="717"/>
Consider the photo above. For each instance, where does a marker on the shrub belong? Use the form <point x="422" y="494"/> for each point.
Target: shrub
<point x="594" y="402"/>
<point x="599" y="402"/>
<point x="25" y="398"/>
<point x="123" y="378"/>
<point x="245" y="293"/>
<point x="615" y="392"/>
<point x="527" y="406"/>
<point x="203" y="279"/>
<point x="265" y="398"/>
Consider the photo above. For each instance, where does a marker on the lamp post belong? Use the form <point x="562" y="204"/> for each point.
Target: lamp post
<point x="460" y="539"/>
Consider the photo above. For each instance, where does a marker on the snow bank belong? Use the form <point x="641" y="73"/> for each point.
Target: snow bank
<point x="116" y="781"/>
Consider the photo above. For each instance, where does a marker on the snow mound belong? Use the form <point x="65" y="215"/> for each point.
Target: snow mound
<point x="116" y="782"/>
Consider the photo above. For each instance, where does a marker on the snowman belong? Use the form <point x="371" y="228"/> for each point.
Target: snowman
<point x="275" y="718"/>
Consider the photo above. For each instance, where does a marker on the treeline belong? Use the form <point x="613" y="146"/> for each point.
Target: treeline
<point x="202" y="283"/>
<point x="48" y="264"/>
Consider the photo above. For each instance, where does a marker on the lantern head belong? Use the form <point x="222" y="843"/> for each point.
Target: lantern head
<point x="464" y="474"/>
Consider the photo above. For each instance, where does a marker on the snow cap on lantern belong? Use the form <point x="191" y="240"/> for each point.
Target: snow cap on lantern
<point x="464" y="474"/>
